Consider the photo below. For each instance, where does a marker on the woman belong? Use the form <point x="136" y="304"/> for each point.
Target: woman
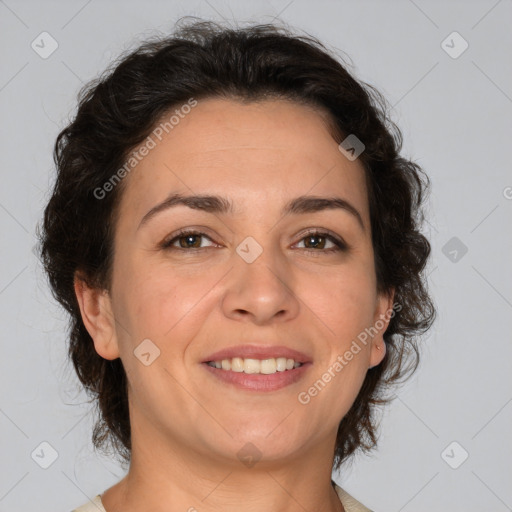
<point x="235" y="237"/>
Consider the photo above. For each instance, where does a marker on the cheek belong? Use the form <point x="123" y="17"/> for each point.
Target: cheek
<point x="344" y="300"/>
<point x="158" y="302"/>
<point x="345" y="307"/>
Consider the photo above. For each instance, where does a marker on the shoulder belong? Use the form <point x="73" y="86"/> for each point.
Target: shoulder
<point x="93" y="505"/>
<point x="349" y="503"/>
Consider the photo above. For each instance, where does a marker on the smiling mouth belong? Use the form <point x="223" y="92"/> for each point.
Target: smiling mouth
<point x="255" y="366"/>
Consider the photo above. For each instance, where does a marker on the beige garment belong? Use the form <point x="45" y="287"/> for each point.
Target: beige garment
<point x="349" y="503"/>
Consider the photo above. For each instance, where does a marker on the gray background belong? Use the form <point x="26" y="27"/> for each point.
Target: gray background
<point x="455" y="114"/>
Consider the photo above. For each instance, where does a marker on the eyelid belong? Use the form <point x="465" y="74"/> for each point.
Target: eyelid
<point x="339" y="242"/>
<point x="325" y="233"/>
<point x="168" y="240"/>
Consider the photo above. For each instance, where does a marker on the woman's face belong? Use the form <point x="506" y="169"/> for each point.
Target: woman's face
<point x="253" y="277"/>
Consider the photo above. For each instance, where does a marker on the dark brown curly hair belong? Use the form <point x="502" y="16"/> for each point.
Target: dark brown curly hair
<point x="117" y="111"/>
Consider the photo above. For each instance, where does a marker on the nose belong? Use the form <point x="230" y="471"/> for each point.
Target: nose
<point x="260" y="292"/>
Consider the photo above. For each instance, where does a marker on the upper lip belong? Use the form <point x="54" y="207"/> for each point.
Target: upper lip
<point x="259" y="352"/>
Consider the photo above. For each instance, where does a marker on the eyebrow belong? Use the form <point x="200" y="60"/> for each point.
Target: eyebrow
<point x="222" y="205"/>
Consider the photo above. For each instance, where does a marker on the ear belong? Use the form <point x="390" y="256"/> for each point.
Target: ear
<point x="96" y="310"/>
<point x="384" y="312"/>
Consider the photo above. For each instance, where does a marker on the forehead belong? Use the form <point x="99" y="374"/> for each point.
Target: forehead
<point x="264" y="151"/>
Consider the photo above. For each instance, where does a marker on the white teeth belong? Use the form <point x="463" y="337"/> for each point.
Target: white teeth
<point x="268" y="366"/>
<point x="250" y="366"/>
<point x="237" y="364"/>
<point x="281" y="364"/>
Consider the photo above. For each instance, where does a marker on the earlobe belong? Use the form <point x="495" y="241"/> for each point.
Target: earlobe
<point x="383" y="314"/>
<point x="378" y="352"/>
<point x="98" y="318"/>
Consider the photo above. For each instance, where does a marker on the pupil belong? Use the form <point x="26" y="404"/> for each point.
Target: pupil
<point x="312" y="238"/>
<point x="189" y="241"/>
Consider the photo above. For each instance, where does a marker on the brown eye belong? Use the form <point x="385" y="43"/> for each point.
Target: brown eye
<point x="315" y="242"/>
<point x="322" y="242"/>
<point x="187" y="240"/>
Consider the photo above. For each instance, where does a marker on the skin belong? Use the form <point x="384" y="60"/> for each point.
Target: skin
<point x="187" y="426"/>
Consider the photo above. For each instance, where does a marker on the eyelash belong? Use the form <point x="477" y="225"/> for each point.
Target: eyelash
<point x="339" y="244"/>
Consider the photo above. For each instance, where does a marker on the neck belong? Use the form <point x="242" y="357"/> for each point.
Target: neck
<point x="166" y="476"/>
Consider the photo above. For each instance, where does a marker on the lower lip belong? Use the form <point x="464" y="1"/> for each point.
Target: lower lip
<point x="259" y="381"/>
